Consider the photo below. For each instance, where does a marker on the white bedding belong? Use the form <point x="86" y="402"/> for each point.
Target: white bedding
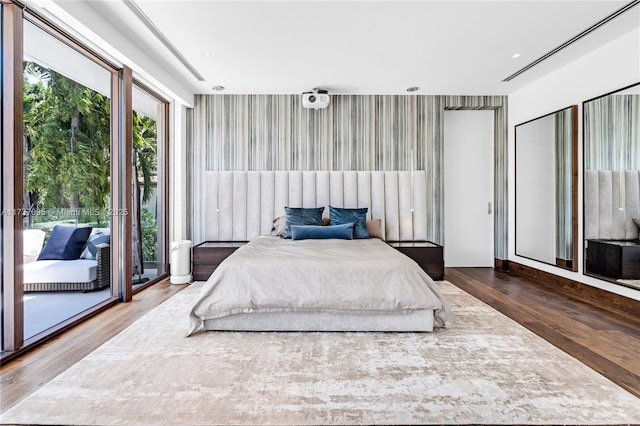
<point x="271" y="274"/>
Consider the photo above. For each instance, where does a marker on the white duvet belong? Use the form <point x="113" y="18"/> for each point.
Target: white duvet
<point x="271" y="274"/>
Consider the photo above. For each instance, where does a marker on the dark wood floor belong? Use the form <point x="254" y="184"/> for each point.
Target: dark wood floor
<point x="608" y="343"/>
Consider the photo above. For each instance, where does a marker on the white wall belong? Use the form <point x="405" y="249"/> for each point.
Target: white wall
<point x="178" y="173"/>
<point x="609" y="68"/>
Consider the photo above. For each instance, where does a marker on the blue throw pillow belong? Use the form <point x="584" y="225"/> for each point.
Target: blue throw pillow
<point x="358" y="217"/>
<point x="301" y="216"/>
<point x="65" y="243"/>
<point x="308" y="232"/>
<point x="91" y="250"/>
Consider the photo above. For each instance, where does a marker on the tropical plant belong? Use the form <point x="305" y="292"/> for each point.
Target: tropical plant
<point x="67" y="136"/>
<point x="67" y="149"/>
<point x="149" y="236"/>
<point x="144" y="166"/>
<point x="144" y="146"/>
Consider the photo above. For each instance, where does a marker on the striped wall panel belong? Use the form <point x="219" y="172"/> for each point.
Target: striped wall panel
<point x="612" y="133"/>
<point x="501" y="183"/>
<point x="274" y="132"/>
<point x="355" y="133"/>
<point x="564" y="172"/>
<point x="501" y="162"/>
<point x="474" y="102"/>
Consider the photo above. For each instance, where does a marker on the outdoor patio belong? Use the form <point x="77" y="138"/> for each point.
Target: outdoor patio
<point x="43" y="310"/>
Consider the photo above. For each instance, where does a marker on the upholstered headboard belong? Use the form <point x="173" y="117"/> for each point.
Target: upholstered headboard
<point x="604" y="219"/>
<point x="240" y="206"/>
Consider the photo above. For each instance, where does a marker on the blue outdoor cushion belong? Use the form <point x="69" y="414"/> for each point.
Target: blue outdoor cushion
<point x="358" y="217"/>
<point x="301" y="216"/>
<point x="307" y="232"/>
<point x="65" y="243"/>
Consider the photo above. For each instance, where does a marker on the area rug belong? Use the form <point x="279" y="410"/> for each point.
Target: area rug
<point x="484" y="368"/>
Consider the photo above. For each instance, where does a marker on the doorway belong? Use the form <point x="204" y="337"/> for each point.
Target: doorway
<point x="468" y="188"/>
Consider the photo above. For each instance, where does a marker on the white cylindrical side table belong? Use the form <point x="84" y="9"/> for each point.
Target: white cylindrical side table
<point x="180" y="260"/>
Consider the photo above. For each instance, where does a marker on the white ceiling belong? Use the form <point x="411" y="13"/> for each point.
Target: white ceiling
<point x="365" y="47"/>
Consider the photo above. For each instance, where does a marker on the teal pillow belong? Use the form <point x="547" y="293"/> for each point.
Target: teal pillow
<point x="358" y="217"/>
<point x="301" y="216"/>
<point x="313" y="232"/>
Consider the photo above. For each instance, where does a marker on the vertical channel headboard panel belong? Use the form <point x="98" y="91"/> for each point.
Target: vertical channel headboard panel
<point x="240" y="206"/>
<point x="610" y="203"/>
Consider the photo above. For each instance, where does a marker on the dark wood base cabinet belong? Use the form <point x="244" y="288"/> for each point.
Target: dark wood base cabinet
<point x="614" y="259"/>
<point x="428" y="255"/>
<point x="208" y="255"/>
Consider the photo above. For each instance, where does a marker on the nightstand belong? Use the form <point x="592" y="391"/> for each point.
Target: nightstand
<point x="208" y="255"/>
<point x="614" y="259"/>
<point x="428" y="255"/>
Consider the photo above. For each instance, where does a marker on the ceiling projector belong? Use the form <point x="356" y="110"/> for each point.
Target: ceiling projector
<point x="316" y="99"/>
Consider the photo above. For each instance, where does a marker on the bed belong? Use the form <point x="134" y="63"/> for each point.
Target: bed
<point x="321" y="285"/>
<point x="277" y="284"/>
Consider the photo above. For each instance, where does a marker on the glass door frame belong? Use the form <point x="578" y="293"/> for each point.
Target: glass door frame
<point x="12" y="129"/>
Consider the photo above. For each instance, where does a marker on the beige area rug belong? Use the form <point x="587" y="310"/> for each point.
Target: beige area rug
<point x="484" y="368"/>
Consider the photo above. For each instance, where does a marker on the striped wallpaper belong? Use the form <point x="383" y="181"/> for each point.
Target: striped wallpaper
<point x="563" y="128"/>
<point x="274" y="132"/>
<point x="500" y="162"/>
<point x="612" y="133"/>
<point x="356" y="132"/>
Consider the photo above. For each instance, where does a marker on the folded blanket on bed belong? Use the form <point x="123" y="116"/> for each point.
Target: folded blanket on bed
<point x="271" y="274"/>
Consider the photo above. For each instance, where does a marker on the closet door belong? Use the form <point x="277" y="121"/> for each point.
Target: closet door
<point x="468" y="188"/>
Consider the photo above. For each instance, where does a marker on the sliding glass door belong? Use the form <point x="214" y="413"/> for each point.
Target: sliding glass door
<point x="149" y="146"/>
<point x="66" y="181"/>
<point x="84" y="182"/>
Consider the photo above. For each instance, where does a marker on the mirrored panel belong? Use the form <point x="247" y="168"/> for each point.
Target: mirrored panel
<point x="546" y="188"/>
<point x="612" y="186"/>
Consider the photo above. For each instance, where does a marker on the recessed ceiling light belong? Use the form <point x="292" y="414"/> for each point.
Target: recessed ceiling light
<point x="413" y="89"/>
<point x="207" y="54"/>
<point x="218" y="88"/>
<point x="515" y="56"/>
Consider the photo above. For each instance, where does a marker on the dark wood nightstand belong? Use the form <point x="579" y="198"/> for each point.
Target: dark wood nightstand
<point x="428" y="255"/>
<point x="614" y="259"/>
<point x="208" y="255"/>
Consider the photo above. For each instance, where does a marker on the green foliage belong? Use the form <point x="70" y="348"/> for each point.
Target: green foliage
<point x="145" y="146"/>
<point x="149" y="236"/>
<point x="67" y="139"/>
<point x="67" y="136"/>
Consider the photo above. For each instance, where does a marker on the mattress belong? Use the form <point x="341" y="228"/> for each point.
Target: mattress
<point x="339" y="279"/>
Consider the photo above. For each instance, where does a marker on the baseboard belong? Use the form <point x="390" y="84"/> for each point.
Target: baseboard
<point x="597" y="297"/>
<point x="564" y="263"/>
<point x="501" y="265"/>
